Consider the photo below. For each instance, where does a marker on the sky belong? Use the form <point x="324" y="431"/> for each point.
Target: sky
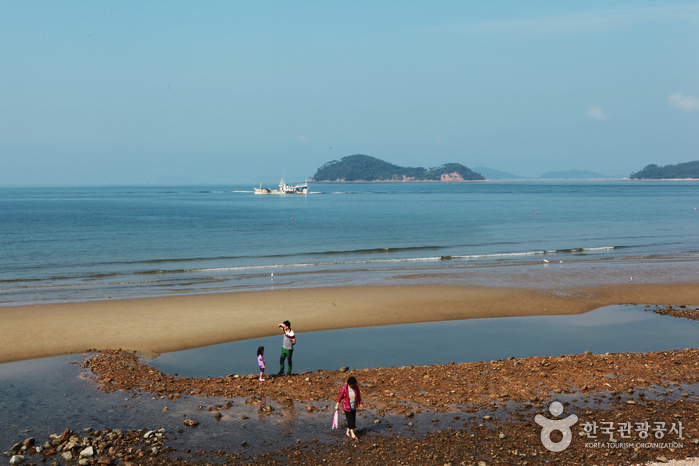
<point x="167" y="92"/>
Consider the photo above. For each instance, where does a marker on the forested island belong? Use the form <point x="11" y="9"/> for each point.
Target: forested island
<point x="668" y="172"/>
<point x="366" y="168"/>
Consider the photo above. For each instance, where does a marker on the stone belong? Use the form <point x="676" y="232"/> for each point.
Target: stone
<point x="67" y="456"/>
<point x="105" y="460"/>
<point x="190" y="423"/>
<point x="218" y="415"/>
<point x="88" y="452"/>
<point x="87" y="430"/>
<point x="502" y="436"/>
<point x="149" y="434"/>
<point x="244" y="444"/>
<point x="29" y="442"/>
<point x="155" y="450"/>
<point x="83" y="461"/>
<point x="409" y="414"/>
<point x="344" y="369"/>
<point x="662" y="459"/>
<point x="64" y="436"/>
<point x="165" y="410"/>
<point x="17" y="459"/>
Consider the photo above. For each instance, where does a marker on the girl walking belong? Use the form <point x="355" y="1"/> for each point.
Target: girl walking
<point x="351" y="399"/>
<point x="261" y="362"/>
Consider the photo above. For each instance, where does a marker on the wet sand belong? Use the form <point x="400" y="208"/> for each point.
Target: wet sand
<point x="157" y="325"/>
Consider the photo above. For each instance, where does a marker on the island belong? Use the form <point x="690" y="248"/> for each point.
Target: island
<point x="688" y="170"/>
<point x="359" y="167"/>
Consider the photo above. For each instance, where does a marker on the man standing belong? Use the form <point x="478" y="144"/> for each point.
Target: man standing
<point x="287" y="347"/>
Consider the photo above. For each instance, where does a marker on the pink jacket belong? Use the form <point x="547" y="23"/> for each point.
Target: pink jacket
<point x="344" y="397"/>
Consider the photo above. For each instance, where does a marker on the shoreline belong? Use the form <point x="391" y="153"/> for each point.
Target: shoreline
<point x="165" y="324"/>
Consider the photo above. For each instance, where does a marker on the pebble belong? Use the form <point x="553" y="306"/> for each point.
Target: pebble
<point x="344" y="369"/>
<point x="17" y="459"/>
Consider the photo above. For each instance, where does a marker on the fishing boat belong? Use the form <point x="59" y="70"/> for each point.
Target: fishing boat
<point x="284" y="189"/>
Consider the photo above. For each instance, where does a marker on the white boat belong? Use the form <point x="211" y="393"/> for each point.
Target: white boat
<point x="284" y="189"/>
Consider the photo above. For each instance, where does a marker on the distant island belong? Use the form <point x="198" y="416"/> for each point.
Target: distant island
<point x="492" y="174"/>
<point x="572" y="175"/>
<point x="361" y="167"/>
<point x="688" y="170"/>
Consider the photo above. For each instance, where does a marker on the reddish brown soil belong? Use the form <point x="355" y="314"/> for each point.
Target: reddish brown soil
<point x="679" y="311"/>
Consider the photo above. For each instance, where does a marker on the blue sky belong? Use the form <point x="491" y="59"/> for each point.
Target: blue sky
<point x="110" y="93"/>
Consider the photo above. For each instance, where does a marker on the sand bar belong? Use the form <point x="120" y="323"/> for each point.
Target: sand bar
<point x="158" y="325"/>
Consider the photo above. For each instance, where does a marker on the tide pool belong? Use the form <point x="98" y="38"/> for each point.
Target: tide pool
<point x="611" y="329"/>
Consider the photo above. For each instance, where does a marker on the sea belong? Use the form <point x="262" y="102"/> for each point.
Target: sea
<point x="79" y="244"/>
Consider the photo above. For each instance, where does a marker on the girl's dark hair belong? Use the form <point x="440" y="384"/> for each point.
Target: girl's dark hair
<point x="260" y="350"/>
<point x="351" y="381"/>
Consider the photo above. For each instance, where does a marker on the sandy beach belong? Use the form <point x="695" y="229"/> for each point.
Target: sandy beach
<point x="158" y="325"/>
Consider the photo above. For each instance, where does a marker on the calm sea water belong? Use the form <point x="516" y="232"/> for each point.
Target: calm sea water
<point x="613" y="329"/>
<point x="72" y="244"/>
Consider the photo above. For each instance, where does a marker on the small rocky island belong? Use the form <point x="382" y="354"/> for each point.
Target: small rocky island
<point x="357" y="168"/>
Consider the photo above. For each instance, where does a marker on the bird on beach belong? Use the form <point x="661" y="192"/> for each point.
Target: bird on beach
<point x="545" y="261"/>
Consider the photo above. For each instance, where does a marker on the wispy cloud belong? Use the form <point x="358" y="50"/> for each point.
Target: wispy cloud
<point x="574" y="23"/>
<point x="688" y="103"/>
<point x="596" y="113"/>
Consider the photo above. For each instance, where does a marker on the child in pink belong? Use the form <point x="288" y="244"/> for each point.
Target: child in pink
<point x="261" y="362"/>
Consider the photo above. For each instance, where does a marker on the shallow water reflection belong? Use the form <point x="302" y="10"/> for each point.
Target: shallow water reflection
<point x="609" y="329"/>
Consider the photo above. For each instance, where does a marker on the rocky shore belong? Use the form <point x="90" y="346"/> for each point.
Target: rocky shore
<point x="631" y="408"/>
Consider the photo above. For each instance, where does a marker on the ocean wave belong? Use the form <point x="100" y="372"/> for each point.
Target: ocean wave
<point x="374" y="257"/>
